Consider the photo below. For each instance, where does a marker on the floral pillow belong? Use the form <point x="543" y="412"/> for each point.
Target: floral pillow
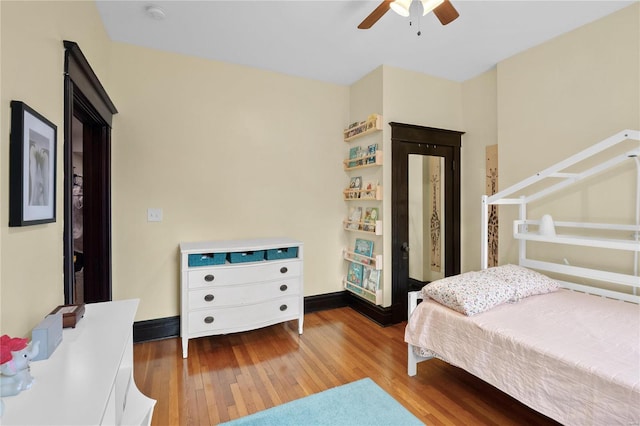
<point x="526" y="281"/>
<point x="470" y="293"/>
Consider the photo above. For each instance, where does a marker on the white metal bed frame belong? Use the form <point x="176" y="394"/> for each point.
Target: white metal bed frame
<point x="520" y="227"/>
<point x="559" y="171"/>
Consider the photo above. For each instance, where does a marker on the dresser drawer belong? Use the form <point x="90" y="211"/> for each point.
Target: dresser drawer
<point x="243" y="294"/>
<point x="244" y="273"/>
<point x="246" y="317"/>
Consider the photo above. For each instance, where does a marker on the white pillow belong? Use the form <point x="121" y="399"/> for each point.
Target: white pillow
<point x="470" y="293"/>
<point x="526" y="281"/>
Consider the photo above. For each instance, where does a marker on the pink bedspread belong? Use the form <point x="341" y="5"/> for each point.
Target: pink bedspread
<point x="571" y="356"/>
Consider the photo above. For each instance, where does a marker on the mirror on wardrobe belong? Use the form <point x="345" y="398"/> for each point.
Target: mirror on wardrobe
<point x="426" y="218"/>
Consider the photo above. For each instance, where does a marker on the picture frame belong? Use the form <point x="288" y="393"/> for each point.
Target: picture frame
<point x="32" y="167"/>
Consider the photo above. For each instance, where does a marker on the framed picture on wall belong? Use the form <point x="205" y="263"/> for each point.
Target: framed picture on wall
<point x="32" y="167"/>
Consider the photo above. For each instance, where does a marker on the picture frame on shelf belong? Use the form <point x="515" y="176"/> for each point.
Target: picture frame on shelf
<point x="364" y="248"/>
<point x="32" y="167"/>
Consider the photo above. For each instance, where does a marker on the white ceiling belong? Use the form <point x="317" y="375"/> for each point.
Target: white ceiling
<point x="320" y="40"/>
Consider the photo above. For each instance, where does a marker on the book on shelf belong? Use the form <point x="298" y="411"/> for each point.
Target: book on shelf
<point x="369" y="191"/>
<point x="355" y="128"/>
<point x="363" y="248"/>
<point x="355" y="216"/>
<point x="354" y="274"/>
<point x="354" y="153"/>
<point x="355" y="186"/>
<point x="371" y="279"/>
<point x="371" y="151"/>
<point x="370" y="218"/>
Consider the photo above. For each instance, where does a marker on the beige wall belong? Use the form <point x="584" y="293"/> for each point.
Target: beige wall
<point x="561" y="97"/>
<point x="32" y="66"/>
<point x="481" y="127"/>
<point x="228" y="152"/>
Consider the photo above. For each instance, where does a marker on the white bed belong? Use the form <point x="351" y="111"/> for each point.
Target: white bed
<point x="570" y="355"/>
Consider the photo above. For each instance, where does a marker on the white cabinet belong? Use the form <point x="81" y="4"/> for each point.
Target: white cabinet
<point x="219" y="296"/>
<point x="88" y="380"/>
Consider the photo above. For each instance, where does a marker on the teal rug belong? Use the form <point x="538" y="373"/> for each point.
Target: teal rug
<point x="358" y="403"/>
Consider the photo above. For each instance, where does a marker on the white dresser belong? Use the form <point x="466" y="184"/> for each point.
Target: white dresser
<point x="88" y="380"/>
<point x="229" y="297"/>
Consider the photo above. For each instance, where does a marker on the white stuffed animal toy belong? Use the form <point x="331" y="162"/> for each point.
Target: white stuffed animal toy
<point x="15" y="356"/>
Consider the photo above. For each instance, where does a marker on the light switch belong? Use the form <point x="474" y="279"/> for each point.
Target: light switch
<point x="154" y="215"/>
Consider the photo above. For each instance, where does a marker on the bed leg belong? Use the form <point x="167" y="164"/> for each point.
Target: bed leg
<point x="412" y="362"/>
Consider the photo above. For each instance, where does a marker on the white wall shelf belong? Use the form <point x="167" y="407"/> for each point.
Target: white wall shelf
<point x="363" y="218"/>
<point x="371" y="160"/>
<point x="363" y="194"/>
<point x="365" y="227"/>
<point x="371" y="125"/>
<point x="371" y="296"/>
<point x="374" y="261"/>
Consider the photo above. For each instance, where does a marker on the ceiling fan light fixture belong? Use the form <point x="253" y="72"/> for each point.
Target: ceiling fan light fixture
<point x="155" y="12"/>
<point x="429" y="5"/>
<point x="401" y="7"/>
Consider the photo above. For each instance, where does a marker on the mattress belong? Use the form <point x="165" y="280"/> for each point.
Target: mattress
<point x="571" y="356"/>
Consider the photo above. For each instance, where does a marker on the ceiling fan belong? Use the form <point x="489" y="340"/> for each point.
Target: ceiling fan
<point x="443" y="9"/>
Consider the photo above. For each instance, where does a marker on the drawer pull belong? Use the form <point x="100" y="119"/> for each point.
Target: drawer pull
<point x="209" y="278"/>
<point x="283" y="287"/>
<point x="208" y="297"/>
<point x="283" y="270"/>
<point x="283" y="307"/>
<point x="208" y="320"/>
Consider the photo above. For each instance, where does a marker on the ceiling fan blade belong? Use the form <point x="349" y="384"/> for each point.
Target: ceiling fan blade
<point x="377" y="13"/>
<point x="446" y="13"/>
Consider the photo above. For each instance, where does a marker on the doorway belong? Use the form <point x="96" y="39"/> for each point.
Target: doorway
<point x="425" y="209"/>
<point x="88" y="113"/>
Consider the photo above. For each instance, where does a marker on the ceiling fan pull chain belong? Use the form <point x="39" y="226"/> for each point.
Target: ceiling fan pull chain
<point x="419" y="33"/>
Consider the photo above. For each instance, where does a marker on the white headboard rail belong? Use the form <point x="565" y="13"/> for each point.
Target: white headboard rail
<point x="626" y="235"/>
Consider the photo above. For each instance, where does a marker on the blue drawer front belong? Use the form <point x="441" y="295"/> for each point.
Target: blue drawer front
<point x="205" y="259"/>
<point x="246" y="256"/>
<point x="282" y="253"/>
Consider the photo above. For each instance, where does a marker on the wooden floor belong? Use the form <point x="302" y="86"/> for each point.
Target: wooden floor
<point x="226" y="377"/>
